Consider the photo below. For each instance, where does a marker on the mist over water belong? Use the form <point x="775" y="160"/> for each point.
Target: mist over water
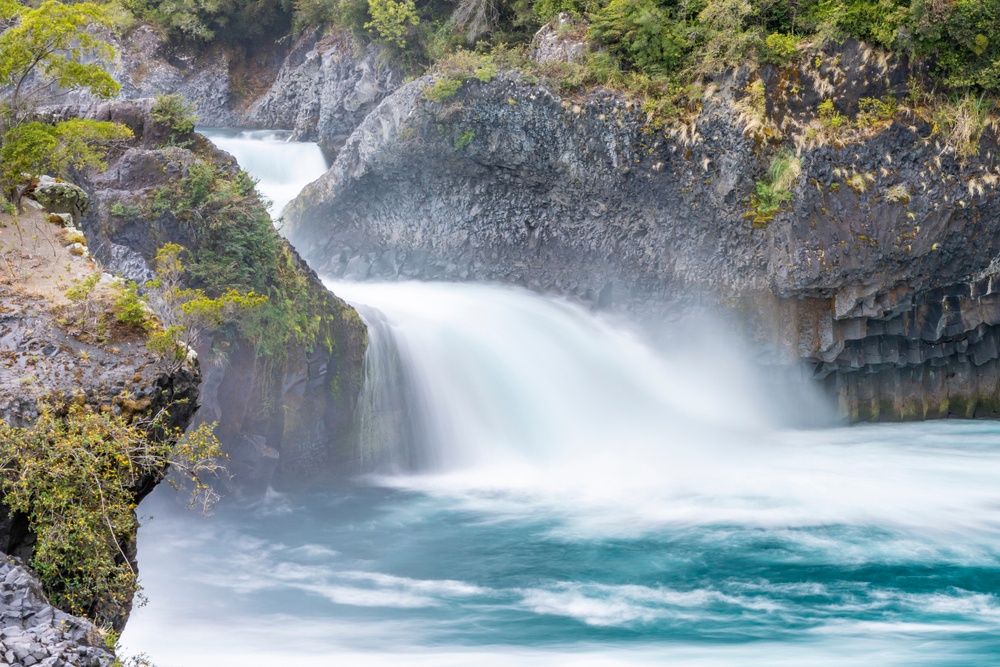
<point x="579" y="503"/>
<point x="547" y="489"/>
<point x="282" y="167"/>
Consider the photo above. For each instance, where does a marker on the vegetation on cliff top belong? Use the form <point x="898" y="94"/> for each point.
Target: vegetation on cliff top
<point x="662" y="39"/>
<point x="53" y="46"/>
<point x="76" y="474"/>
<point x="232" y="248"/>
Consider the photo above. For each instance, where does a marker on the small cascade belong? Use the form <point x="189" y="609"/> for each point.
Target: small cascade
<point x="282" y="166"/>
<point x="385" y="417"/>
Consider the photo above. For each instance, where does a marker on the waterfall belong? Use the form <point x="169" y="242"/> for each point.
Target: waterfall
<point x="497" y="374"/>
<point x="549" y="488"/>
<point x="282" y="167"/>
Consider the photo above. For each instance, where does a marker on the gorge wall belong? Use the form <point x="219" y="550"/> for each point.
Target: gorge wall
<point x="879" y="276"/>
<point x="284" y="419"/>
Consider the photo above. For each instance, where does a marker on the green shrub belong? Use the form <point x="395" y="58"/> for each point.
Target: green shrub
<point x="464" y="139"/>
<point x="233" y="21"/>
<point x="442" y="90"/>
<point x="82" y="289"/>
<point x="781" y="50"/>
<point x="76" y="475"/>
<point x="775" y="190"/>
<point x="830" y="117"/>
<point x="391" y="20"/>
<point x="130" y="309"/>
<point x="37" y="148"/>
<point x="313" y="13"/>
<point x="174" y="113"/>
<point x="872" y="111"/>
<point x="546" y="10"/>
<point x="642" y="34"/>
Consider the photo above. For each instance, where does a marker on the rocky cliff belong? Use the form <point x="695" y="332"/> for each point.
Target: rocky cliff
<point x="34" y="633"/>
<point x="324" y="89"/>
<point x="284" y="419"/>
<point x="879" y="276"/>
<point x="63" y="354"/>
<point x="321" y="87"/>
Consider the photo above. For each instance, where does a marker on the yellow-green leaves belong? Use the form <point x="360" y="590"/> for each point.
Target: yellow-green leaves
<point x="188" y="313"/>
<point x="390" y="19"/>
<point x="36" y="148"/>
<point x="58" y="43"/>
<point x="75" y="473"/>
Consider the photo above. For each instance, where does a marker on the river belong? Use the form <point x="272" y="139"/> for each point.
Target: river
<point x="579" y="497"/>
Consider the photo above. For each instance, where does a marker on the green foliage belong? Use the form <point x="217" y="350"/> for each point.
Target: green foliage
<point x="52" y="44"/>
<point x="546" y="10"/>
<point x="733" y="34"/>
<point x="781" y="50"/>
<point x="188" y="313"/>
<point x="76" y="473"/>
<point x="641" y="33"/>
<point x="6" y="207"/>
<point x="313" y="13"/>
<point x="176" y="114"/>
<point x="36" y="148"/>
<point x="962" y="121"/>
<point x="82" y="289"/>
<point x="464" y="139"/>
<point x="830" y="117"/>
<point x="233" y="21"/>
<point x="872" y="111"/>
<point x="775" y="190"/>
<point x="391" y="19"/>
<point x="442" y="90"/>
<point x="130" y="309"/>
<point x="457" y="67"/>
<point x="235" y="253"/>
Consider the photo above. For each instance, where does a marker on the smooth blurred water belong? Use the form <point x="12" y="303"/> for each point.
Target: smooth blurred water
<point x="282" y="167"/>
<point x="586" y="500"/>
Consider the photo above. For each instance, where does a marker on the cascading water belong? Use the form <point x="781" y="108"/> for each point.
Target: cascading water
<point x="282" y="166"/>
<point x="565" y="495"/>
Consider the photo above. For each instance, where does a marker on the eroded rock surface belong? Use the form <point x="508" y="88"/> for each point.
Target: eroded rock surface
<point x="33" y="633"/>
<point x="880" y="276"/>
<point x="324" y="89"/>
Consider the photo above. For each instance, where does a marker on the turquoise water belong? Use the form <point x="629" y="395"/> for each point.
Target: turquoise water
<point x="583" y="499"/>
<point x="411" y="570"/>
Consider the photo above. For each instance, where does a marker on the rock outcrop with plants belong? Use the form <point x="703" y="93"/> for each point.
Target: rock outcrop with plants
<point x="282" y="378"/>
<point x="836" y="201"/>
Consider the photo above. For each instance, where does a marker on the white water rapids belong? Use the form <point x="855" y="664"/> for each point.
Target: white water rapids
<point x="282" y="167"/>
<point x="552" y="490"/>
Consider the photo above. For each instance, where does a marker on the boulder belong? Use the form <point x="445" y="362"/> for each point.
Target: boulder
<point x="59" y="196"/>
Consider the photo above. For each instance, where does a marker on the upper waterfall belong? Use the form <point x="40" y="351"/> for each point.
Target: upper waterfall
<point x="282" y="166"/>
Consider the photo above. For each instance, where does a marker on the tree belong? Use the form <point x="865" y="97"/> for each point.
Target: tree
<point x="77" y="475"/>
<point x="186" y="313"/>
<point x="391" y="20"/>
<point x="56" y="149"/>
<point x="54" y="45"/>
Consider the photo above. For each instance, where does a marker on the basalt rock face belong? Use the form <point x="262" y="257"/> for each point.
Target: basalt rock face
<point x="297" y="430"/>
<point x="879" y="277"/>
<point x="32" y="632"/>
<point x="321" y="89"/>
<point x="324" y="89"/>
